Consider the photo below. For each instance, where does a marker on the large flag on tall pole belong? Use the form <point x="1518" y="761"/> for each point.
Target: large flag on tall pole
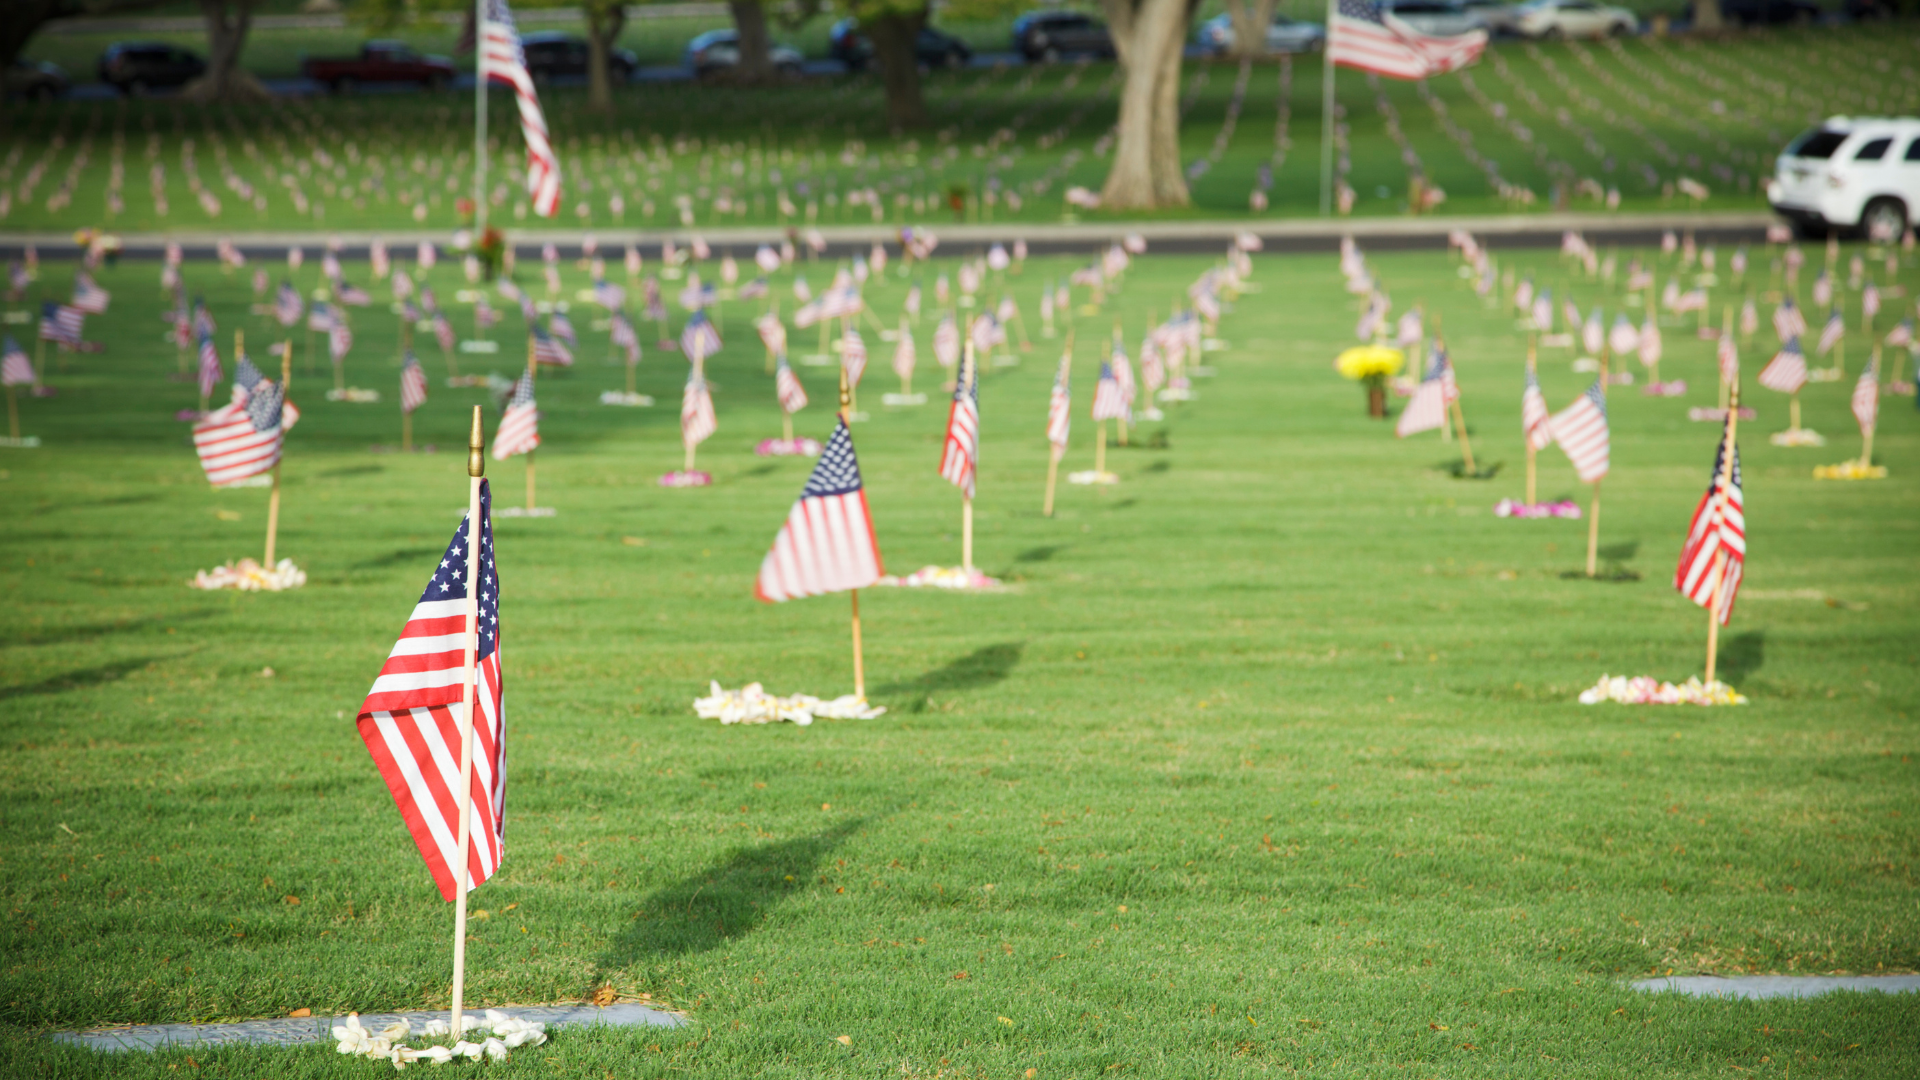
<point x="503" y="61"/>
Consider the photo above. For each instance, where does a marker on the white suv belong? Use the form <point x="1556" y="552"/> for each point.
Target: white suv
<point x="1852" y="173"/>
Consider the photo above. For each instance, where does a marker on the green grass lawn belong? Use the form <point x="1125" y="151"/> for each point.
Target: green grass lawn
<point x="1267" y="760"/>
<point x="1533" y="127"/>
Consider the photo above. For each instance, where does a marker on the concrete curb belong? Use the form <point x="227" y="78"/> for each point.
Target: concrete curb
<point x="1763" y="987"/>
<point x="311" y="1029"/>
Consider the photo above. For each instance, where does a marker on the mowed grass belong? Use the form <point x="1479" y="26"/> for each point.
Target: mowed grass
<point x="1267" y="760"/>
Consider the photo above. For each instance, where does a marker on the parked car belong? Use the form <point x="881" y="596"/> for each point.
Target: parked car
<point x="1284" y="35"/>
<point x="1850" y="174"/>
<point x="1497" y="17"/>
<point x="1765" y="12"/>
<point x="551" y="53"/>
<point x="932" y="49"/>
<point x="1574" y="19"/>
<point x="1442" y="17"/>
<point x="29" y="80"/>
<point x="718" y="50"/>
<point x="1050" y="35"/>
<point x="134" y="66"/>
<point x="379" y="62"/>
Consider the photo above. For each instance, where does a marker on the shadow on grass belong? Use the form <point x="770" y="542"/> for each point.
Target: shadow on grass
<point x="1613" y="564"/>
<point x="982" y="667"/>
<point x="350" y="470"/>
<point x="722" y="902"/>
<point x="759" y="470"/>
<point x="95" y="631"/>
<point x="1160" y="466"/>
<point x="78" y="680"/>
<point x="1742" y="654"/>
<point x="1040" y="554"/>
<point x="1458" y="470"/>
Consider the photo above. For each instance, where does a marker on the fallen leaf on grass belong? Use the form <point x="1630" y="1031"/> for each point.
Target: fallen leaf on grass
<point x="1438" y="1027"/>
<point x="1005" y="1021"/>
<point x="843" y="1040"/>
<point x="959" y="974"/>
<point x="604" y="996"/>
<point x="292" y="901"/>
<point x="301" y="1012"/>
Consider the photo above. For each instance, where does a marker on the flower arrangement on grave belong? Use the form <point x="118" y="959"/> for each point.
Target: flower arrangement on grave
<point x="1372" y="366"/>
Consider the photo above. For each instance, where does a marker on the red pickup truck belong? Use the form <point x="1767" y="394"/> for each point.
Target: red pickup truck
<point x="380" y="62"/>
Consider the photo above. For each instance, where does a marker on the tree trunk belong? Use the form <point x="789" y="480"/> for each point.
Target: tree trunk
<point x="604" y="23"/>
<point x="227" y="24"/>
<point x="750" y="19"/>
<point x="1146" y="159"/>
<point x="894" y="35"/>
<point x="1706" y="15"/>
<point x="1250" y="22"/>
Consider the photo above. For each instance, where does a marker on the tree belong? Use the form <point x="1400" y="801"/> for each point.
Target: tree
<point x="894" y="28"/>
<point x="1149" y="36"/>
<point x="1706" y="15"/>
<point x="227" y="24"/>
<point x="1250" y="22"/>
<point x="755" y="43"/>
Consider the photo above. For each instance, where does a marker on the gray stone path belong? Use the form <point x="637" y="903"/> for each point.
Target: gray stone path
<point x="309" y="1029"/>
<point x="1756" y="987"/>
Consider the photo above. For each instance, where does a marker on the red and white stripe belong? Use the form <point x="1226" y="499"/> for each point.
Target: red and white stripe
<point x="231" y="450"/>
<point x="1581" y="431"/>
<point x="853" y="354"/>
<point x="503" y="61"/>
<point x="1866" y="397"/>
<point x="793" y="396"/>
<point x="1787" y="371"/>
<point x="413" y="385"/>
<point x="1729" y="357"/>
<point x="1535" y="420"/>
<point x="905" y="356"/>
<point x="1060" y="411"/>
<point x="697" y="423"/>
<point x="960" y="456"/>
<point x="827" y="544"/>
<point x="1713" y="560"/>
<point x="1361" y="35"/>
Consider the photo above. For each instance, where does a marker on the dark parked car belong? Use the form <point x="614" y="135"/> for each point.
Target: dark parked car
<point x="379" y="62"/>
<point x="1050" y="35"/>
<point x="133" y="66"/>
<point x="718" y="50"/>
<point x="933" y="49"/>
<point x="1765" y="12"/>
<point x="551" y="53"/>
<point x="28" y="80"/>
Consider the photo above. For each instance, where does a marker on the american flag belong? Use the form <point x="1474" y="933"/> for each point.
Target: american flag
<point x="793" y="396"/>
<point x="1831" y="334"/>
<point x="1153" y="366"/>
<point x="1866" y="396"/>
<point x="443" y="331"/>
<point x="1749" y="317"/>
<point x="773" y="333"/>
<point x="402" y="285"/>
<point x="410" y="311"/>
<point x="1581" y="430"/>
<point x="1650" y="343"/>
<point x="210" y="370"/>
<point x="519" y="430"/>
<point x="1719" y="528"/>
<point x="1059" y="409"/>
<point x="853" y="354"/>
<point x="503" y="61"/>
<point x="203" y="318"/>
<point x="1787" y="371"/>
<point x="1869" y="301"/>
<point x="431" y="300"/>
<point x="562" y="327"/>
<point x="841" y="303"/>
<point x="1123" y="372"/>
<point x="1535" y="420"/>
<point x="235" y="443"/>
<point x="904" y="353"/>
<point x="912" y="305"/>
<point x="1542" y="313"/>
<point x="1729" y="357"/>
<point x="827" y="544"/>
<point x="699" y="339"/>
<point x="1823" y="288"/>
<point x="1428" y="409"/>
<point x="349" y="293"/>
<point x="656" y="310"/>
<point x="1109" y="401"/>
<point x="756" y="289"/>
<point x="330" y="267"/>
<point x="320" y="317"/>
<point x="986" y="332"/>
<point x="622" y="336"/>
<point x="61" y="324"/>
<point x="1362" y="35"/>
<point x="960" y="457"/>
<point x="89" y="297"/>
<point x="611" y="297"/>
<point x="380" y="261"/>
<point x="413" y="384"/>
<point x="946" y="342"/>
<point x="1901" y="335"/>
<point x="287" y="305"/>
<point x="697" y="423"/>
<point x="547" y="349"/>
<point x="801" y="290"/>
<point x="339" y="341"/>
<point x="806" y="314"/>
<point x="1788" y="323"/>
<point x="15" y="368"/>
<point x="411" y="723"/>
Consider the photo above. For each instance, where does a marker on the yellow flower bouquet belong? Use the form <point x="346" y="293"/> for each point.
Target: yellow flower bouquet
<point x="1372" y="365"/>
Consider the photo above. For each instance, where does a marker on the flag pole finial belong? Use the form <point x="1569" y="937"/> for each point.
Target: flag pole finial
<point x="476" y="442"/>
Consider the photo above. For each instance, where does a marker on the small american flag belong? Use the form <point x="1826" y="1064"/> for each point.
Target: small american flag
<point x="1787" y="371"/>
<point x="413" y="384"/>
<point x="1059" y="409"/>
<point x="1363" y="35"/>
<point x="203" y="318"/>
<point x="330" y="267"/>
<point x="1788" y="323"/>
<point x="853" y="354"/>
<point x="1542" y="313"/>
<point x="89" y="297"/>
<point x="697" y="423"/>
<point x="410" y="311"/>
<point x="622" y="336"/>
<point x="1831" y="334"/>
<point x="402" y="285"/>
<point x="793" y="396"/>
<point x="1713" y="560"/>
<point x="611" y="297"/>
<point x="773" y="333"/>
<point x="15" y="368"/>
<point x="443" y="331"/>
<point x="656" y="309"/>
<point x="339" y="340"/>
<point x="320" y="317"/>
<point x="1109" y="401"/>
<point x="1581" y="430"/>
<point x="235" y="443"/>
<point x="699" y="339"/>
<point x="1535" y="421"/>
<point x="61" y="324"/>
<point x="985" y="332"/>
<point x="904" y="353"/>
<point x="1153" y="365"/>
<point x="1729" y="357"/>
<point x="1901" y="336"/>
<point x="547" y="349"/>
<point x="946" y="342"/>
<point x="757" y="289"/>
<point x="827" y="544"/>
<point x="287" y="305"/>
<point x="1749" y="317"/>
<point x="519" y="430"/>
<point x="1866" y="397"/>
<point x="562" y="327"/>
<point x="210" y="370"/>
<point x="503" y="61"/>
<point x="1650" y="343"/>
<point x="353" y="294"/>
<point x="1428" y="408"/>
<point x="912" y="305"/>
<point x="1869" y="301"/>
<point x="1123" y="373"/>
<point x="431" y="300"/>
<point x="411" y="723"/>
<point x="960" y="457"/>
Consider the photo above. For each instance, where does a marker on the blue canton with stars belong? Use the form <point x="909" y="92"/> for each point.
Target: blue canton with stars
<point x="1361" y="9"/>
<point x="838" y="472"/>
<point x="448" y="578"/>
<point x="263" y="405"/>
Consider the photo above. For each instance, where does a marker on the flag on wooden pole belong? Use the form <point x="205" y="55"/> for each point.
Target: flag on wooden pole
<point x="1581" y="431"/>
<point x="1713" y="559"/>
<point x="413" y="384"/>
<point x="519" y="431"/>
<point x="1535" y="420"/>
<point x="793" y="396"/>
<point x="959" y="457"/>
<point x="1428" y="408"/>
<point x="827" y="544"/>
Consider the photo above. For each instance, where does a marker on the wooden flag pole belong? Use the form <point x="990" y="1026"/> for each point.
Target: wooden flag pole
<point x="786" y="425"/>
<point x="1532" y="358"/>
<point x="1720" y="555"/>
<point x="859" y="669"/>
<point x="966" y="533"/>
<point x="1726" y="330"/>
<point x="406" y="430"/>
<point x="1120" y="424"/>
<point x="1055" y="451"/>
<point x="1713" y="615"/>
<point x="533" y="375"/>
<point x="273" y="500"/>
<point x="1654" y="374"/>
<point x="13" y="415"/>
<point x="1866" y="434"/>
<point x="476" y="468"/>
<point x="1100" y="453"/>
